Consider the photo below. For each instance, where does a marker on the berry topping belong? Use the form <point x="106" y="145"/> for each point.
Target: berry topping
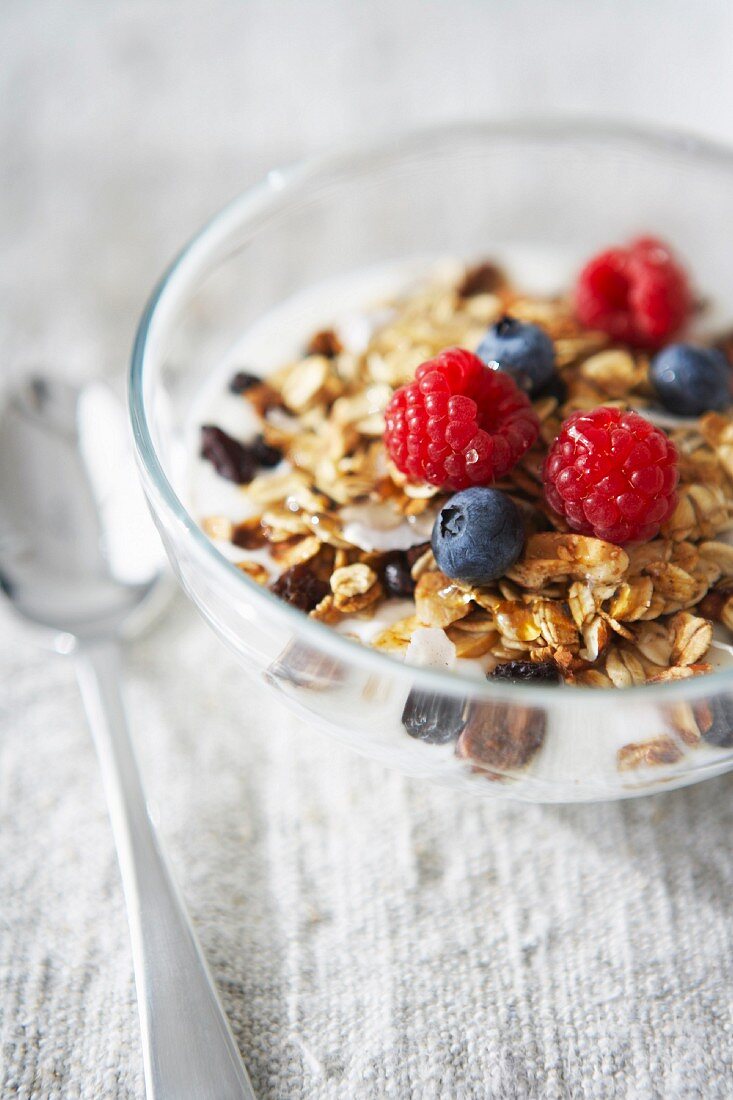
<point x="458" y="423"/>
<point x="522" y="350"/>
<point x="612" y="474"/>
<point x="478" y="535"/>
<point x="527" y="672"/>
<point x="691" y="380"/>
<point x="638" y="294"/>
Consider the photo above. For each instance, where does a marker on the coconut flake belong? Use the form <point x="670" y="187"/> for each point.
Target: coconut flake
<point x="379" y="527"/>
<point x="430" y="647"/>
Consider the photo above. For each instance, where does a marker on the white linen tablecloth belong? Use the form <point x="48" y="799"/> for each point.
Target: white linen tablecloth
<point x="372" y="936"/>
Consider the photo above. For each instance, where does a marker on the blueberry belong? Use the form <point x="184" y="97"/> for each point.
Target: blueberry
<point x="478" y="535"/>
<point x="691" y="380"/>
<point x="522" y="350"/>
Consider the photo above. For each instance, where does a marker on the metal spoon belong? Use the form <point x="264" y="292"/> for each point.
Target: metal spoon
<point x="78" y="556"/>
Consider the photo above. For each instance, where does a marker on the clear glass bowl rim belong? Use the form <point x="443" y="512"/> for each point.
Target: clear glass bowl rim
<point x="183" y="275"/>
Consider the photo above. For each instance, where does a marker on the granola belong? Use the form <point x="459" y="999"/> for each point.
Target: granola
<point x="607" y="615"/>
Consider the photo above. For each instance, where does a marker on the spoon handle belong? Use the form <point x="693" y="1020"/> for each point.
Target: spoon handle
<point x="188" y="1048"/>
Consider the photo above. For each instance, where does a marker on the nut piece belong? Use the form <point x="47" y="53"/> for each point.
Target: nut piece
<point x="217" y="527"/>
<point x="254" y="570"/>
<point x="691" y="638"/>
<point x="624" y="668"/>
<point x="500" y="737"/>
<point x="305" y="383"/>
<point x="615" y="372"/>
<point x="550" y="555"/>
<point x="439" y="600"/>
<point x="632" y="600"/>
<point x="354" y="587"/>
<point x="653" y="753"/>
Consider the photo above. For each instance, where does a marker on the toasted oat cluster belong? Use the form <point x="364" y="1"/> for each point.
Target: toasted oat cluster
<point x="606" y="615"/>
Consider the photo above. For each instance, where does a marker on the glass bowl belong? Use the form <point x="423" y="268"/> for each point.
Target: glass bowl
<point x="469" y="191"/>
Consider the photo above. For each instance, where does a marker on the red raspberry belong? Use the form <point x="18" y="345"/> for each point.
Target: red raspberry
<point x="459" y="423"/>
<point x="612" y="474"/>
<point x="639" y="295"/>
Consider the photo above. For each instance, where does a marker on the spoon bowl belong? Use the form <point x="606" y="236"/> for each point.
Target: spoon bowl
<point x="78" y="554"/>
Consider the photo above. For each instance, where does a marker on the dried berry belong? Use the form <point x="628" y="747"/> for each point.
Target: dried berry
<point x="264" y="454"/>
<point x="243" y="381"/>
<point x="557" y="387"/>
<point x="325" y="343"/>
<point x="233" y="460"/>
<point x="300" y="587"/>
<point x="435" y="719"/>
<point x="249" y="534"/>
<point x="396" y="576"/>
<point x="484" y="278"/>
<point x="228" y="456"/>
<point x="500" y="738"/>
<point x="524" y="672"/>
<point x="715" y="720"/>
<point x="416" y="552"/>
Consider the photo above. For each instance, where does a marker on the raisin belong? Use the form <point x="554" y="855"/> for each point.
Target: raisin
<point x="249" y="534"/>
<point x="243" y="381"/>
<point x="416" y="552"/>
<point x="524" y="672"/>
<point x="484" y="278"/>
<point x="396" y="576"/>
<point x="228" y="456"/>
<point x="715" y="720"/>
<point x="263" y="453"/>
<point x="435" y="719"/>
<point x="300" y="587"/>
<point x="556" y="388"/>
<point x="325" y="343"/>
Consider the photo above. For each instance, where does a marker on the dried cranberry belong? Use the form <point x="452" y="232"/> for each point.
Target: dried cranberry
<point x="243" y="381"/>
<point x="325" y="343"/>
<point x="484" y="278"/>
<point x="228" y="456"/>
<point x="396" y="576"/>
<point x="300" y="587"/>
<point x="523" y="672"/>
<point x="263" y="453"/>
